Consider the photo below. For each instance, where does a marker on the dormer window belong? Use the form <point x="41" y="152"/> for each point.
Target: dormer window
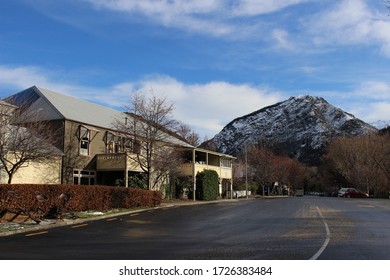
<point x="113" y="143"/>
<point x="85" y="136"/>
<point x="119" y="143"/>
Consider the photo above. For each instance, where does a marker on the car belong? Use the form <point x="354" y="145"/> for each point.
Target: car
<point x="351" y="192"/>
<point x="341" y="192"/>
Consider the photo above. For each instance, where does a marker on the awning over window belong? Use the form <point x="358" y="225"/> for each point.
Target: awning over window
<point x="91" y="128"/>
<point x="86" y="128"/>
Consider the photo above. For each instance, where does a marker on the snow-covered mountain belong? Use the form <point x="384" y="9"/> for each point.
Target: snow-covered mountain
<point x="300" y="127"/>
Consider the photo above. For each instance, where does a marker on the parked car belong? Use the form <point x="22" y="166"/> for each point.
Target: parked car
<point x="351" y="192"/>
<point x="341" y="192"/>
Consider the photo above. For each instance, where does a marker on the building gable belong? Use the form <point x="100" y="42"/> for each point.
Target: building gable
<point x="31" y="100"/>
<point x="81" y="111"/>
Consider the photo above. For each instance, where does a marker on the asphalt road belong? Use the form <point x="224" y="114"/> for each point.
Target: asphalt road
<point x="294" y="228"/>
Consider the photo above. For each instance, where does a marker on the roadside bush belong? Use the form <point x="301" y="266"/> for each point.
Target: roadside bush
<point x="82" y="198"/>
<point x="207" y="185"/>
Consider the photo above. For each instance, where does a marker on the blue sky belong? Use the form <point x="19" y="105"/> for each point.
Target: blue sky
<point x="215" y="60"/>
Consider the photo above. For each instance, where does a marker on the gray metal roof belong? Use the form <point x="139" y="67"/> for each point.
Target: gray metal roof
<point x="53" y="105"/>
<point x="74" y="109"/>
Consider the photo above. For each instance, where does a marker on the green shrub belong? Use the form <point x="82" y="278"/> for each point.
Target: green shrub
<point x="207" y="185"/>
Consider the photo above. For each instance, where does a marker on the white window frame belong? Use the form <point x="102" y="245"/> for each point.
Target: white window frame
<point x="84" y="135"/>
<point x="85" y="139"/>
<point x="79" y="174"/>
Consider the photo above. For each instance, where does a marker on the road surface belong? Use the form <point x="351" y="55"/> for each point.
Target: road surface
<point x="293" y="228"/>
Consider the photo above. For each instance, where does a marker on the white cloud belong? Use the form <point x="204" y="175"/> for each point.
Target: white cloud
<point x="371" y="101"/>
<point x="282" y="39"/>
<point x="339" y="22"/>
<point x="205" y="107"/>
<point x="258" y="7"/>
<point x="371" y="112"/>
<point x="166" y="10"/>
<point x="375" y="90"/>
<point x="380" y="111"/>
<point x="195" y="16"/>
<point x="21" y="76"/>
<point x="368" y="101"/>
<point x="351" y="22"/>
<point x="212" y="17"/>
<point x="164" y="7"/>
<point x="208" y="107"/>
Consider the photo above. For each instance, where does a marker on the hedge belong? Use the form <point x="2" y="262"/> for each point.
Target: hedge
<point x="80" y="197"/>
<point x="207" y="185"/>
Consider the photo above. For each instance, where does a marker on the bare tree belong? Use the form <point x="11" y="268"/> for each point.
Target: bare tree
<point x="260" y="160"/>
<point x="23" y="139"/>
<point x="188" y="134"/>
<point x="264" y="167"/>
<point x="379" y="154"/>
<point x="151" y="125"/>
<point x="358" y="160"/>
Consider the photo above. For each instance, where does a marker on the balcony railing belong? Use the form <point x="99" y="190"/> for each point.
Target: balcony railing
<point x="119" y="162"/>
<point x="187" y="169"/>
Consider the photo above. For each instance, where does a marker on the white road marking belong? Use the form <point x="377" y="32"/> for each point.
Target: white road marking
<point x="327" y="239"/>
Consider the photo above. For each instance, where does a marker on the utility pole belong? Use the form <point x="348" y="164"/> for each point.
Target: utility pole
<point x="246" y="170"/>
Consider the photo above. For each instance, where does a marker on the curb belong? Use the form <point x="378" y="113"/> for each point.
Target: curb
<point x="55" y="224"/>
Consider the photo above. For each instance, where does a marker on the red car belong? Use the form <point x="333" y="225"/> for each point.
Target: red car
<point x="351" y="192"/>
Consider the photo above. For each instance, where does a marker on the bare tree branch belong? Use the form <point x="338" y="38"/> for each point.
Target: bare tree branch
<point x="23" y="139"/>
<point x="188" y="134"/>
<point x="361" y="161"/>
<point x="151" y="124"/>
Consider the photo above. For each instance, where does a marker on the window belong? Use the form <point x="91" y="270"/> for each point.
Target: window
<point x="84" y="177"/>
<point x="136" y="147"/>
<point x="226" y="162"/>
<point x="114" y="143"/>
<point x="128" y="144"/>
<point x="85" y="134"/>
<point x="85" y="138"/>
<point x="119" y="143"/>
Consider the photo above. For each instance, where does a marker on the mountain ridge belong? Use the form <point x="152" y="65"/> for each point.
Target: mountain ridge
<point x="300" y="127"/>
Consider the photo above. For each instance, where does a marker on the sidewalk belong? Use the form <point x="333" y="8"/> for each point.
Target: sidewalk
<point x="7" y="229"/>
